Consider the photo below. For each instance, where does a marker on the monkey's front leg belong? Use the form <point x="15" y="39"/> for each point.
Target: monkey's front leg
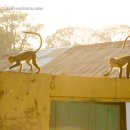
<point x="108" y="73"/>
<point x="17" y="64"/>
<point x="120" y="72"/>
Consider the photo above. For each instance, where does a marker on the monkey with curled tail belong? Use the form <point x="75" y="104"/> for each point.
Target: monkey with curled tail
<point x="119" y="63"/>
<point x="27" y="56"/>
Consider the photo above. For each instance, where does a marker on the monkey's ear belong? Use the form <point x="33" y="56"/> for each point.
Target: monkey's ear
<point x="11" y="59"/>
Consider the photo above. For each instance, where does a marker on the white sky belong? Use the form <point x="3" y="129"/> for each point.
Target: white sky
<point x="62" y="13"/>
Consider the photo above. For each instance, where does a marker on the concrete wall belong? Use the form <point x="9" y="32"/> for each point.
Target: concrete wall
<point x="25" y="98"/>
<point x="93" y="89"/>
<point x="24" y="101"/>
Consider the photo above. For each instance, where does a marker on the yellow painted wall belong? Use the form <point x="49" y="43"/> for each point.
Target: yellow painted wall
<point x="25" y="98"/>
<point x="92" y="89"/>
<point x="24" y="101"/>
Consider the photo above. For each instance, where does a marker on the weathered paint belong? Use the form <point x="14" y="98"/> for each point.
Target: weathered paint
<point x="24" y="101"/>
<point x="25" y="98"/>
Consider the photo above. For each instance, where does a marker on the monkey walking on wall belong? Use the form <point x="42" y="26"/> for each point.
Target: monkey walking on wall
<point x="26" y="56"/>
<point x="119" y="63"/>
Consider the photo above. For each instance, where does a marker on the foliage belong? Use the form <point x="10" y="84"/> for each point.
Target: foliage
<point x="12" y="23"/>
<point x="60" y="38"/>
<point x="72" y="36"/>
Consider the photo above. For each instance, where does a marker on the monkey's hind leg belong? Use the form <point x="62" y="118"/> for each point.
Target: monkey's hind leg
<point x="28" y="62"/>
<point x="20" y="67"/>
<point x="35" y="64"/>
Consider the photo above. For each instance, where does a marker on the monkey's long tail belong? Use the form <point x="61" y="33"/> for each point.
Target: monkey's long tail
<point x="125" y="41"/>
<point x="39" y="37"/>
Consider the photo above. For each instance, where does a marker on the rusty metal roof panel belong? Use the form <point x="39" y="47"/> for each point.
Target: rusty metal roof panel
<point x="87" y="61"/>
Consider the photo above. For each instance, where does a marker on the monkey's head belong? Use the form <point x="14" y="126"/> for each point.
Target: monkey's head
<point x="11" y="59"/>
<point x="113" y="61"/>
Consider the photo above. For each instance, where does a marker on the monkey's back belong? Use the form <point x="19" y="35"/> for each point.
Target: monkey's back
<point x="28" y="55"/>
<point x="124" y="60"/>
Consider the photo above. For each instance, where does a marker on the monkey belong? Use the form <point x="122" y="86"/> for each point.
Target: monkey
<point x="125" y="41"/>
<point x="26" y="56"/>
<point x="119" y="63"/>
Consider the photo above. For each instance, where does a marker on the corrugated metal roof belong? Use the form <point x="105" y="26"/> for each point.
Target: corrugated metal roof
<point x="87" y="61"/>
<point x="3" y="62"/>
